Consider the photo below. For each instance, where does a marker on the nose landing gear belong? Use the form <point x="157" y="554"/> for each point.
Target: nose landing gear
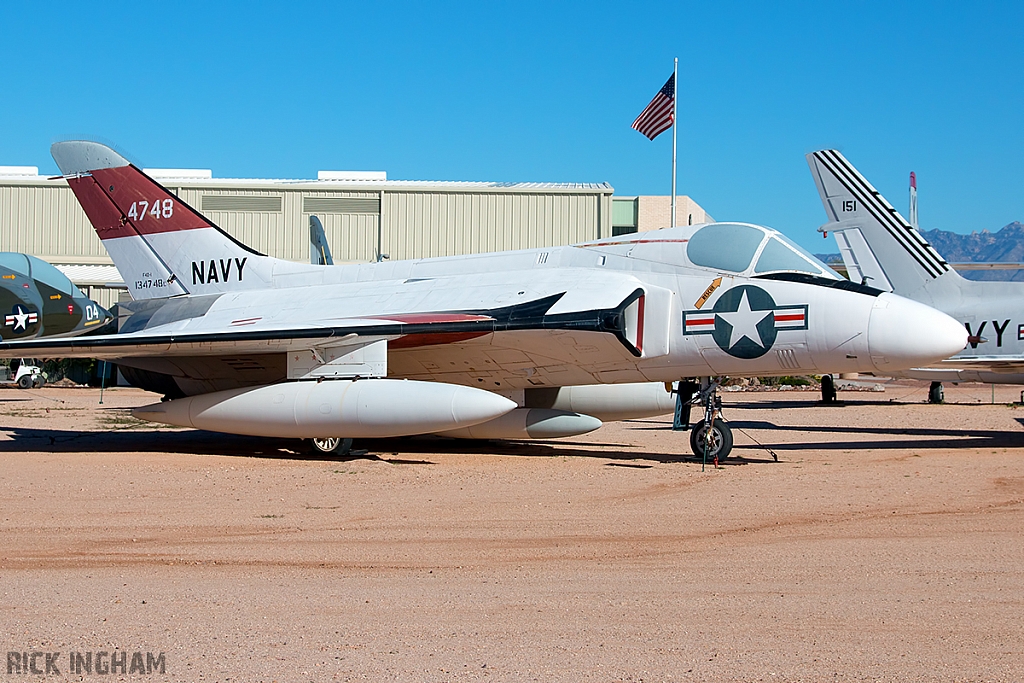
<point x="714" y="444"/>
<point x="711" y="438"/>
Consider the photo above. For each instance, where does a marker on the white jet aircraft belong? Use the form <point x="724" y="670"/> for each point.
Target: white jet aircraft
<point x="881" y="249"/>
<point x="261" y="346"/>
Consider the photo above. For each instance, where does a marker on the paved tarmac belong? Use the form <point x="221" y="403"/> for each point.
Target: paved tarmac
<point x="885" y="544"/>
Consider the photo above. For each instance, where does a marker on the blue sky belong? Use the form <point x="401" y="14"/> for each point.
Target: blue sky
<point x="541" y="92"/>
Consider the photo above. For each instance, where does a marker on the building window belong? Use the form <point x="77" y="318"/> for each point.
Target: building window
<point x="624" y="215"/>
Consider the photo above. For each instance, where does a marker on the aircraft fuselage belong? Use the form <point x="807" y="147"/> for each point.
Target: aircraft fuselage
<point x="678" y="320"/>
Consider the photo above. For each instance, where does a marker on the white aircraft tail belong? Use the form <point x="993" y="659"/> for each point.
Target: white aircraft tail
<point x="160" y="245"/>
<point x="879" y="247"/>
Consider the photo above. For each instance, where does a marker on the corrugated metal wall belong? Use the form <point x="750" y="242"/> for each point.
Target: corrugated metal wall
<point x="415" y="224"/>
<point x="44" y="219"/>
<point x="350" y="222"/>
<point x="104" y="296"/>
<point x="422" y="224"/>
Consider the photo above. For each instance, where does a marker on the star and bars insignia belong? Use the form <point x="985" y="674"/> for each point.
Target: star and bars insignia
<point x="20" y="318"/>
<point x="745" y="321"/>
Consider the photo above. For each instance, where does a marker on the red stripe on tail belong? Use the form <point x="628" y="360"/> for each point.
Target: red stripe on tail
<point x="124" y="202"/>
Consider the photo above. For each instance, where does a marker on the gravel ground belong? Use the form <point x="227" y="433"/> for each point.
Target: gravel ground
<point x="885" y="544"/>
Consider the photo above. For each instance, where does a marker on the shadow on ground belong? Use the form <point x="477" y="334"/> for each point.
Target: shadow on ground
<point x="888" y="438"/>
<point x="404" y="451"/>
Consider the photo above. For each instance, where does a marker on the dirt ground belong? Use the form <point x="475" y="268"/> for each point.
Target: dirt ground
<point x="885" y="544"/>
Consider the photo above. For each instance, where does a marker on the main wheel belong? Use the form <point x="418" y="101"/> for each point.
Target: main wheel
<point x="332" y="445"/>
<point x="935" y="393"/>
<point x="38" y="381"/>
<point x="720" y="445"/>
<point x="25" y="381"/>
<point x="828" y="389"/>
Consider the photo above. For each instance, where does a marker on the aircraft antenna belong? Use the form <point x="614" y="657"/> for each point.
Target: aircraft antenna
<point x="913" y="200"/>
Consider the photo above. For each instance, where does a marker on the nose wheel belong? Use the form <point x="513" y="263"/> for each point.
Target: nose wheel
<point x="711" y="438"/>
<point x="714" y="444"/>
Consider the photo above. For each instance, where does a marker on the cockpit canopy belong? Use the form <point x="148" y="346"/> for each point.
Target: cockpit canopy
<point x="38" y="269"/>
<point x="739" y="248"/>
<point x="733" y="247"/>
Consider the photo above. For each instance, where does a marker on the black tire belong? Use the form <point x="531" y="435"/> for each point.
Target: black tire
<point x="721" y="440"/>
<point x="828" y="389"/>
<point x="935" y="393"/>
<point x="38" y="381"/>
<point x="331" y="445"/>
<point x="25" y="381"/>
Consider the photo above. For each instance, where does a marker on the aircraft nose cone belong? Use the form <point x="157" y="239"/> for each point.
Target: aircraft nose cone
<point x="553" y="424"/>
<point x="905" y="334"/>
<point x="471" y="406"/>
<point x="94" y="316"/>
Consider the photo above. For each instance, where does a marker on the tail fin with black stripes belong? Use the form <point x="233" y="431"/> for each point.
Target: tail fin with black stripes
<point x="878" y="245"/>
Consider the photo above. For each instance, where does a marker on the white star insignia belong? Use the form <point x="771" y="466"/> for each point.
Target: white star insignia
<point x="21" y="318"/>
<point x="744" y="322"/>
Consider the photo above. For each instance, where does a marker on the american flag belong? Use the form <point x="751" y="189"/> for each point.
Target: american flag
<point x="657" y="117"/>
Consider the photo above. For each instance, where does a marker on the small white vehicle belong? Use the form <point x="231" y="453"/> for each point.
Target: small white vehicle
<point x="24" y="374"/>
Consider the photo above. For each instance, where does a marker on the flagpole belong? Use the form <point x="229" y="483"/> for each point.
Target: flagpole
<point x="675" y="110"/>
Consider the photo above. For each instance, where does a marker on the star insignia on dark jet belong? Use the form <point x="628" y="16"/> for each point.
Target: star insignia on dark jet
<point x="20" y="318"/>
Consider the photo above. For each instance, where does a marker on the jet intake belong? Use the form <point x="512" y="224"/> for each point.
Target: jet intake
<point x="370" y="408"/>
<point x="529" y="423"/>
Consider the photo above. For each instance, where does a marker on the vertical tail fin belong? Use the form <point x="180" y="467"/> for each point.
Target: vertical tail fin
<point x="161" y="246"/>
<point x="319" y="249"/>
<point x="875" y="240"/>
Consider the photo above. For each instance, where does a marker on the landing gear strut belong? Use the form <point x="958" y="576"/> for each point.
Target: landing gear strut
<point x="684" y="401"/>
<point x="711" y="438"/>
<point x="935" y="394"/>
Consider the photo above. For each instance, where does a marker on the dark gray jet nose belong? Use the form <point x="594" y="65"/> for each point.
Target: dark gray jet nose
<point x="94" y="316"/>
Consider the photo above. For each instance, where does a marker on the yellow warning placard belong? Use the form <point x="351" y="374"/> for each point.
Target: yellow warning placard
<point x="708" y="292"/>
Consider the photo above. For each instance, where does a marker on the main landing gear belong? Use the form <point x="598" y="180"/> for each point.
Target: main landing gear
<point x="332" y="445"/>
<point x="711" y="438"/>
<point x="935" y="394"/>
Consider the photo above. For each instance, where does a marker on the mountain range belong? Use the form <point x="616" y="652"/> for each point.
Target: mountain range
<point x="1005" y="245"/>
